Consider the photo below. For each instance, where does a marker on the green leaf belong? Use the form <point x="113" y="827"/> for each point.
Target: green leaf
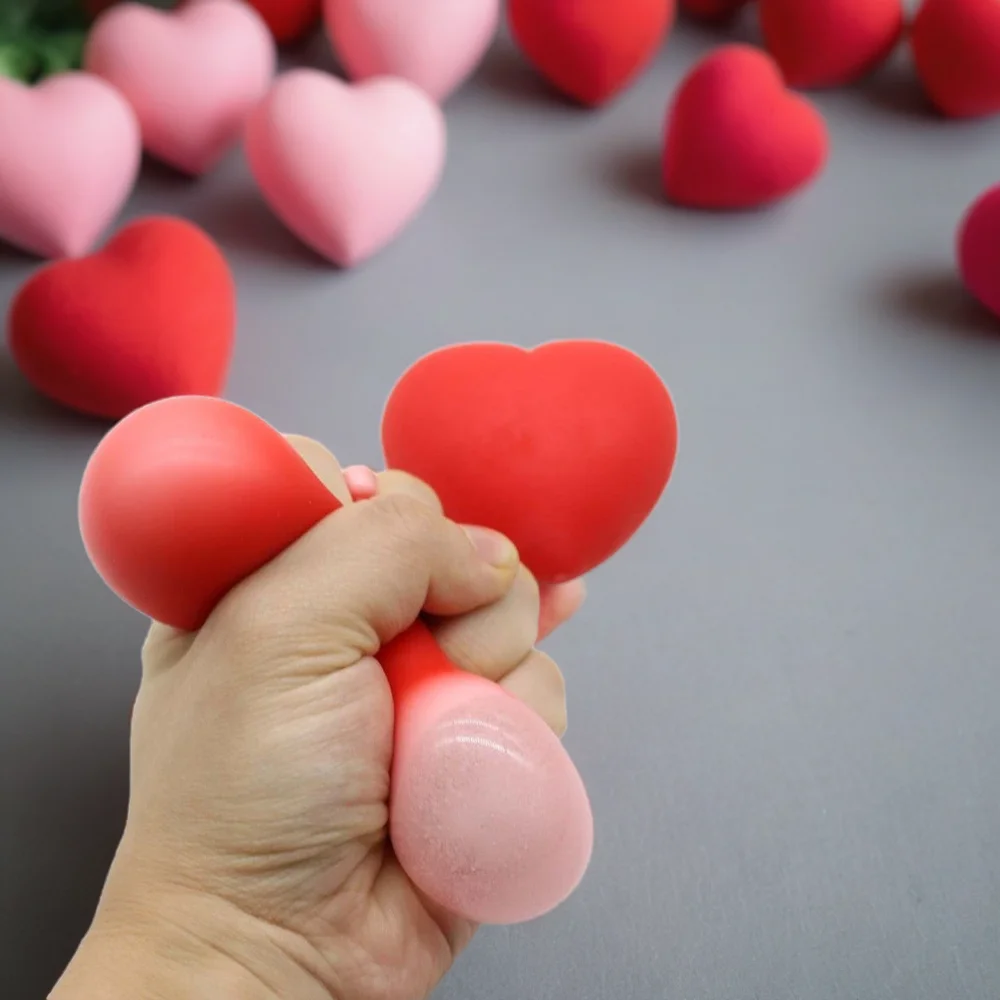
<point x="19" y="62"/>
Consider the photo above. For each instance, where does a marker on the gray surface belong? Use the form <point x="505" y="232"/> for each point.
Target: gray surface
<point x="784" y="696"/>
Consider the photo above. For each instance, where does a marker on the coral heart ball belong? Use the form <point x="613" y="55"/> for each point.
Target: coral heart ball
<point x="590" y="50"/>
<point x="565" y="448"/>
<point x="736" y="137"/>
<point x="150" y="315"/>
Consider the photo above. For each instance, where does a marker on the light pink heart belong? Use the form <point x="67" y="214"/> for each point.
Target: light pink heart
<point x="68" y="162"/>
<point x="435" y="44"/>
<point x="192" y="75"/>
<point x="346" y="167"/>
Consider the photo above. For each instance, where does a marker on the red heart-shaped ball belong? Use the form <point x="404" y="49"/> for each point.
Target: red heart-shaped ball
<point x="830" y="43"/>
<point x="712" y="10"/>
<point x="736" y="138"/>
<point x="956" y="49"/>
<point x="150" y="315"/>
<point x="188" y="496"/>
<point x="590" y="49"/>
<point x="289" y="20"/>
<point x="565" y="448"/>
<point x="978" y="245"/>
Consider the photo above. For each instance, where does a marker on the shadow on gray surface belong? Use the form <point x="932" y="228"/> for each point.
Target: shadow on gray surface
<point x="896" y="89"/>
<point x="937" y="300"/>
<point x="741" y="28"/>
<point x="507" y="73"/>
<point x="21" y="406"/>
<point x="637" y="172"/>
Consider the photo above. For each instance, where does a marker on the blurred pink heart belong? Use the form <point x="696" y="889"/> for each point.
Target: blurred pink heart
<point x="345" y="166"/>
<point x="435" y="44"/>
<point x="73" y="164"/>
<point x="192" y="75"/>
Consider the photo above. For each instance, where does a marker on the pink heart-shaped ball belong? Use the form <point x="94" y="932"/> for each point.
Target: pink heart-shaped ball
<point x="978" y="245"/>
<point x="192" y="75"/>
<point x="435" y="44"/>
<point x="73" y="164"/>
<point x="345" y="166"/>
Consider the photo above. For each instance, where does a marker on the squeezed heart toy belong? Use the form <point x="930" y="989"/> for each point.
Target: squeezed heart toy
<point x="735" y="138"/>
<point x="72" y="167"/>
<point x="188" y="496"/>
<point x="346" y="167"/>
<point x="978" y="245"/>
<point x="191" y="75"/>
<point x="712" y="9"/>
<point x="565" y="449"/>
<point x="150" y="315"/>
<point x="590" y="49"/>
<point x="829" y="43"/>
<point x="435" y="44"/>
<point x="956" y="49"/>
<point x="288" y="20"/>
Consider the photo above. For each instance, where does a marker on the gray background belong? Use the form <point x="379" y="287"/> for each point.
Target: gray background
<point x="784" y="694"/>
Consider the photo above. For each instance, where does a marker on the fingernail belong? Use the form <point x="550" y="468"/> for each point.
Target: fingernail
<point x="361" y="481"/>
<point x="492" y="547"/>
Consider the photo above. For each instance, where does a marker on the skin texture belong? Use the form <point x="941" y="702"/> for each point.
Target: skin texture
<point x="254" y="863"/>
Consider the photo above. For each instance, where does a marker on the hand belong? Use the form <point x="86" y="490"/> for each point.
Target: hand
<point x="255" y="858"/>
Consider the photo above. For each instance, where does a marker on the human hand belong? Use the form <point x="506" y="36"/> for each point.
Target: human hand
<point x="255" y="862"/>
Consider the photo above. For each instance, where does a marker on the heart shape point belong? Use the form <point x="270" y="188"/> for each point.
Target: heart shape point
<point x="830" y="43"/>
<point x="192" y="75"/>
<point x="736" y="138"/>
<point x="150" y="315"/>
<point x="590" y="50"/>
<point x="74" y="164"/>
<point x="346" y="167"/>
<point x="956" y="50"/>
<point x="435" y="44"/>
<point x="565" y="448"/>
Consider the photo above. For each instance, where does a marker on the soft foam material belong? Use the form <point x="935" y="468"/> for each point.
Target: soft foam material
<point x="150" y="315"/>
<point x="736" y="138"/>
<point x="435" y="44"/>
<point x="590" y="50"/>
<point x="978" y="245"/>
<point x="190" y="495"/>
<point x="565" y="448"/>
<point x="956" y="49"/>
<point x="830" y="43"/>
<point x="712" y="10"/>
<point x="289" y="20"/>
<point x="191" y="74"/>
<point x="346" y="167"/>
<point x="70" y="162"/>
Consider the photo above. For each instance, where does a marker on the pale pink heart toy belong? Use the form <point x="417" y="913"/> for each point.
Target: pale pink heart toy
<point x="345" y="166"/>
<point x="192" y="75"/>
<point x="435" y="44"/>
<point x="72" y="167"/>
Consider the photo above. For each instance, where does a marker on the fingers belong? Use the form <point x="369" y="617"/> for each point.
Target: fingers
<point x="539" y="683"/>
<point x="559" y="603"/>
<point x="323" y="464"/>
<point x="393" y="481"/>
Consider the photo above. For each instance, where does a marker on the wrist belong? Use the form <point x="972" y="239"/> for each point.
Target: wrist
<point x="174" y="946"/>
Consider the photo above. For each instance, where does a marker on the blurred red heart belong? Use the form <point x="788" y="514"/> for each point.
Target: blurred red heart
<point x="565" y="448"/>
<point x="590" y="49"/>
<point x="978" y="245"/>
<point x="736" y="137"/>
<point x="956" y="49"/>
<point x="150" y="315"/>
<point x="289" y="20"/>
<point x="830" y="43"/>
<point x="188" y="496"/>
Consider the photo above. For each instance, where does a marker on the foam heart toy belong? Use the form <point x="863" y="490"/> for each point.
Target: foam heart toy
<point x="565" y="448"/>
<point x="978" y="246"/>
<point x="435" y="44"/>
<point x="712" y="10"/>
<point x="736" y="138"/>
<point x="590" y="49"/>
<point x="956" y="50"/>
<point x="191" y="75"/>
<point x="830" y="43"/>
<point x="150" y="315"/>
<point x="346" y="167"/>
<point x="74" y="164"/>
<point x="289" y="20"/>
<point x="186" y="497"/>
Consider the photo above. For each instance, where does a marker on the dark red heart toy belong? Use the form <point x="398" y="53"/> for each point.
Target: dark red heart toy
<point x="565" y="448"/>
<point x="150" y="315"/>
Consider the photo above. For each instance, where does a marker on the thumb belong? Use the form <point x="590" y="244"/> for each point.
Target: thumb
<point x="359" y="579"/>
